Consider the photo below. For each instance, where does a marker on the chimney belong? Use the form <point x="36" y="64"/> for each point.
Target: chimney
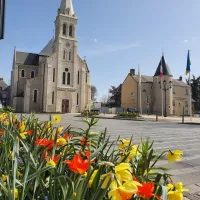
<point x="132" y="72"/>
<point x="180" y="78"/>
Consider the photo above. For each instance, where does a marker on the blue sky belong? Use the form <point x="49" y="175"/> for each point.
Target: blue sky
<point x="114" y="35"/>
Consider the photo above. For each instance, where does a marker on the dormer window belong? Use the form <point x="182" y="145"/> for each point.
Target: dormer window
<point x="68" y="11"/>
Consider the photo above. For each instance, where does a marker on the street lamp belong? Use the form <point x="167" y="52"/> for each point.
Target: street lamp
<point x="165" y="88"/>
<point x="147" y="100"/>
<point x="2" y="18"/>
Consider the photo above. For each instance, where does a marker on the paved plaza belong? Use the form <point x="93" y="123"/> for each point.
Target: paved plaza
<point x="167" y="135"/>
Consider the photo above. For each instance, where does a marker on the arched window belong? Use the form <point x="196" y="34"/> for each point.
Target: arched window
<point x="68" y="78"/>
<point x="22" y="73"/>
<point x="78" y="77"/>
<point x="52" y="97"/>
<point x="70" y="55"/>
<point x="71" y="31"/>
<point x="64" y="54"/>
<point x="64" y="29"/>
<point x="64" y="78"/>
<point x="32" y="74"/>
<point x="35" y="96"/>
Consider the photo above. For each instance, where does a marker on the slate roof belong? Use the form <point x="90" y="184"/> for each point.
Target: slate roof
<point x="27" y="58"/>
<point x="166" y="70"/>
<point x="149" y="79"/>
<point x="48" y="49"/>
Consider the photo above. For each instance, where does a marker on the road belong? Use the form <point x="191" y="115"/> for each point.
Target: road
<point x="166" y="135"/>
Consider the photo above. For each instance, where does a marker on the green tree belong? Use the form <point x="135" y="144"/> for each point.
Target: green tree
<point x="195" y="85"/>
<point x="115" y="96"/>
<point x="93" y="93"/>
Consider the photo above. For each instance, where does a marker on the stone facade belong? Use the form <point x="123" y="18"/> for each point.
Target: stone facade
<point x="177" y="93"/>
<point x="56" y="79"/>
<point x="4" y="93"/>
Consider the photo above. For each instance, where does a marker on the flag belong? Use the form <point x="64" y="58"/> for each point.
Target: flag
<point x="161" y="70"/>
<point x="188" y="63"/>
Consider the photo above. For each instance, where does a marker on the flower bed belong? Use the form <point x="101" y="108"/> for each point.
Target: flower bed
<point x="42" y="161"/>
<point x="127" y="115"/>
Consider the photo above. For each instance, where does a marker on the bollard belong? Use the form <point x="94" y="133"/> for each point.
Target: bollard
<point x="183" y="116"/>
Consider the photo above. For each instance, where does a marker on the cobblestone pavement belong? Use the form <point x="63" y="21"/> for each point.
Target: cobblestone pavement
<point x="166" y="135"/>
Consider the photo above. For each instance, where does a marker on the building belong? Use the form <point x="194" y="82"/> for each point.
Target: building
<point x="4" y="93"/>
<point x="174" y="99"/>
<point x="56" y="79"/>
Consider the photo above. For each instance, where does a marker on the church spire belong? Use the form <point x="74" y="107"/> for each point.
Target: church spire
<point x="66" y="5"/>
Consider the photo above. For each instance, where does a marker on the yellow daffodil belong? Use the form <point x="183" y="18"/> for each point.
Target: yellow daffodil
<point x="19" y="174"/>
<point x="4" y="177"/>
<point x="124" y="143"/>
<point x="6" y="123"/>
<point x="61" y="141"/>
<point x="59" y="129"/>
<point x="124" y="191"/>
<point x="16" y="193"/>
<point x="131" y="154"/>
<point x="23" y="135"/>
<point x="51" y="163"/>
<point x="123" y="172"/>
<point x="174" y="156"/>
<point x="21" y="127"/>
<point x="175" y="191"/>
<point x="56" y="119"/>
<point x="48" y="125"/>
<point x="106" y="178"/>
<point x="92" y="178"/>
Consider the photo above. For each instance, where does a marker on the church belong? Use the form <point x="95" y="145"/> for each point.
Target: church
<point x="56" y="79"/>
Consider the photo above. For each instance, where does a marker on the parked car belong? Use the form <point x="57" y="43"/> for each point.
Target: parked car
<point x="132" y="110"/>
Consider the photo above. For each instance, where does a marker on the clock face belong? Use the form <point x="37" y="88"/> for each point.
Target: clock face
<point x="67" y="44"/>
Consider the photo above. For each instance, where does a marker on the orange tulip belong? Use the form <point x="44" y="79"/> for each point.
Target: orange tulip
<point x="84" y="142"/>
<point x="30" y="132"/>
<point x="78" y="164"/>
<point x="55" y="158"/>
<point x="68" y="136"/>
<point x="44" y="142"/>
<point x="146" y="191"/>
<point x="1" y="132"/>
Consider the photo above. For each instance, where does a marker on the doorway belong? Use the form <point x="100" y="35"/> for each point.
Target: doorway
<point x="65" y="106"/>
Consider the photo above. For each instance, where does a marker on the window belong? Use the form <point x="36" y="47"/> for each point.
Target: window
<point x="68" y="10"/>
<point x="52" y="97"/>
<point x="174" y="104"/>
<point x="86" y="78"/>
<point x="151" y="87"/>
<point x="78" y="78"/>
<point x="64" y="54"/>
<point x="186" y="104"/>
<point x="32" y="74"/>
<point x="1" y="88"/>
<point x="70" y="55"/>
<point x="64" y="78"/>
<point x="35" y="96"/>
<point x="54" y="70"/>
<point x="68" y="79"/>
<point x="66" y="69"/>
<point x="174" y="91"/>
<point x="186" y="91"/>
<point x="71" y="31"/>
<point x="77" y="98"/>
<point x="22" y="73"/>
<point x="156" y="80"/>
<point x="64" y="29"/>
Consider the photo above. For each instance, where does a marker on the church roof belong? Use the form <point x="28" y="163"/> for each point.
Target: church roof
<point x="27" y="58"/>
<point x="166" y="70"/>
<point x="48" y="49"/>
<point x="67" y="4"/>
<point x="149" y="79"/>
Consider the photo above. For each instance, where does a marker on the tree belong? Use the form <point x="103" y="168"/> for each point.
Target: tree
<point x="104" y="100"/>
<point x="93" y="93"/>
<point x="195" y="85"/>
<point x="115" y="96"/>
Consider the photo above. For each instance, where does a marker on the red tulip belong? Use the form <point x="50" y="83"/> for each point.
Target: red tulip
<point x="146" y="191"/>
<point x="1" y="132"/>
<point x="55" y="158"/>
<point x="78" y="164"/>
<point x="30" y="132"/>
<point x="44" y="142"/>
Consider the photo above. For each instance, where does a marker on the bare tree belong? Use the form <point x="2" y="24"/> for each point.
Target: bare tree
<point x="93" y="93"/>
<point x="104" y="100"/>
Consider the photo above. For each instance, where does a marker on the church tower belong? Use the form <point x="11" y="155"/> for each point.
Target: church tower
<point x="157" y="86"/>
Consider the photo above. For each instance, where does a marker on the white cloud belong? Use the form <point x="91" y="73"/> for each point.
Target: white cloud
<point x="185" y="41"/>
<point x="94" y="40"/>
<point x="194" y="38"/>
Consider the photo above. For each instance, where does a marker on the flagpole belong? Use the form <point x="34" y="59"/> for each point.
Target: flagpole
<point x="161" y="87"/>
<point x="190" y="99"/>
<point x="140" y="93"/>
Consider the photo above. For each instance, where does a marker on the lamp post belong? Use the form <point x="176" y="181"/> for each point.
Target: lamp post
<point x="165" y="88"/>
<point x="147" y="100"/>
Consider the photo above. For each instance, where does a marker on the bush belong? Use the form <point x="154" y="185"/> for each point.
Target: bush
<point x="87" y="113"/>
<point x="128" y="115"/>
<point x="42" y="161"/>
